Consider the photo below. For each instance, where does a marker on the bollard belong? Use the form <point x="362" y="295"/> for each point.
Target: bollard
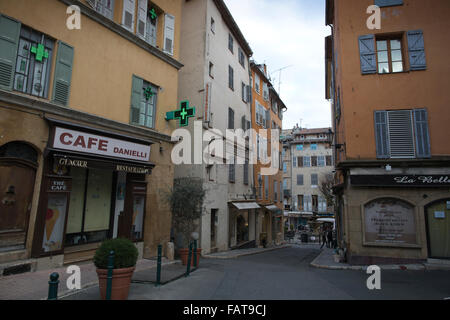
<point x="195" y="254"/>
<point x="158" y="266"/>
<point x="110" y="274"/>
<point x="53" y="286"/>
<point x="188" y="269"/>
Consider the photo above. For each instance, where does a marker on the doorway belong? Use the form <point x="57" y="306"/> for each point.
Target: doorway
<point x="131" y="219"/>
<point x="438" y="229"/>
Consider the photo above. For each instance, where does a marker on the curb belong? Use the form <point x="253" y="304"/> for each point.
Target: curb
<point x="413" y="267"/>
<point x="68" y="293"/>
<point x="245" y="254"/>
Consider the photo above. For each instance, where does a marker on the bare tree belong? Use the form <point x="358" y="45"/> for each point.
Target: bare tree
<point x="326" y="188"/>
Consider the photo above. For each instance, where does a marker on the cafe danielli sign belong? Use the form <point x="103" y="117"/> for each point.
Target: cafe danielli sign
<point x="389" y="221"/>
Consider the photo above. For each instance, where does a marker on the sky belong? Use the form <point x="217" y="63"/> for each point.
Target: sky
<point x="290" y="33"/>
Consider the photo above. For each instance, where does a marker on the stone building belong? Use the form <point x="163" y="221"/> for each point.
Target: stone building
<point x="84" y="145"/>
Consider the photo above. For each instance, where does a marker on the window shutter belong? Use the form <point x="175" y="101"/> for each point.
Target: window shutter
<point x="422" y="135"/>
<point x="416" y="48"/>
<point x="249" y="94"/>
<point x="136" y="92"/>
<point x="367" y="54"/>
<point x="299" y="179"/>
<point x="245" y="173"/>
<point x="9" y="42"/>
<point x="91" y="3"/>
<point x="230" y="77"/>
<point x="169" y="33"/>
<point x="313" y="161"/>
<point x="267" y="119"/>
<point x="128" y="14"/>
<point x="401" y="140"/>
<point x="329" y="161"/>
<point x="63" y="74"/>
<point x="109" y="9"/>
<point x="243" y="123"/>
<point x="300" y="162"/>
<point x="381" y="134"/>
<point x="248" y="124"/>
<point x="230" y="118"/>
<point x="142" y="18"/>
<point x="388" y="3"/>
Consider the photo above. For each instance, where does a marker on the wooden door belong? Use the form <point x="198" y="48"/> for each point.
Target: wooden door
<point x="16" y="193"/>
<point x="438" y="229"/>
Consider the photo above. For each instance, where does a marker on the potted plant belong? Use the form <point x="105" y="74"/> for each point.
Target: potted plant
<point x="185" y="200"/>
<point x="125" y="257"/>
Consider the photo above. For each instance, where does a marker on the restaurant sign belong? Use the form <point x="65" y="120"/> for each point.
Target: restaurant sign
<point x="401" y="180"/>
<point x="106" y="165"/>
<point x="78" y="141"/>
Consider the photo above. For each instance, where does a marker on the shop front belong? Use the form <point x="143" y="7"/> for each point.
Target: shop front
<point x="243" y="223"/>
<point x="93" y="188"/>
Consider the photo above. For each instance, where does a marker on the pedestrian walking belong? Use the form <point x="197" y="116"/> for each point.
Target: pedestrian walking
<point x="323" y="236"/>
<point x="330" y="238"/>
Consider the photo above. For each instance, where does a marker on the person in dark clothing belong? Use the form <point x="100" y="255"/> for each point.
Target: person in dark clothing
<point x="330" y="238"/>
<point x="323" y="237"/>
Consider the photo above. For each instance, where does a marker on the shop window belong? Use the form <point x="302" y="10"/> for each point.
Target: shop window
<point x="33" y="64"/>
<point x="90" y="206"/>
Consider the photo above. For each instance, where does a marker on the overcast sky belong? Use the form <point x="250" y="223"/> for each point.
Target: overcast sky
<point x="290" y="32"/>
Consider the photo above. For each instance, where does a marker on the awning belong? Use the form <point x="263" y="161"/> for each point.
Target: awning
<point x="326" y="220"/>
<point x="298" y="213"/>
<point x="272" y="207"/>
<point x="246" y="205"/>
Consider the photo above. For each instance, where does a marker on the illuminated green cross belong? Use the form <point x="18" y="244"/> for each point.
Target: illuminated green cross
<point x="153" y="14"/>
<point x="148" y="93"/>
<point x="183" y="114"/>
<point x="40" y="52"/>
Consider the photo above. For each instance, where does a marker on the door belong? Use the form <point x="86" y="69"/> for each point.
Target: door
<point x="16" y="192"/>
<point x="438" y="229"/>
<point x="131" y="219"/>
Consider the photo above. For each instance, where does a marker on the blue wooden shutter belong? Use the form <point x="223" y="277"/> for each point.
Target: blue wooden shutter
<point x="9" y="42"/>
<point x="381" y="135"/>
<point x="136" y="92"/>
<point x="416" y="49"/>
<point x="422" y="134"/>
<point x="388" y="3"/>
<point x="367" y="54"/>
<point x="63" y="74"/>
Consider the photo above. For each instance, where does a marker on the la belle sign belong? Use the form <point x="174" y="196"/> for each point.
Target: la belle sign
<point x="78" y="141"/>
<point x="400" y="180"/>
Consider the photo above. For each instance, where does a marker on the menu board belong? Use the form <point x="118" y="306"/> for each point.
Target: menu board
<point x="389" y="221"/>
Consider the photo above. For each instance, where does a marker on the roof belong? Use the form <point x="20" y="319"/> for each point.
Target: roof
<point x="311" y="131"/>
<point x="234" y="28"/>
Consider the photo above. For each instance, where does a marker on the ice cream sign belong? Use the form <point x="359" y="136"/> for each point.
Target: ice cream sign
<point x="78" y="141"/>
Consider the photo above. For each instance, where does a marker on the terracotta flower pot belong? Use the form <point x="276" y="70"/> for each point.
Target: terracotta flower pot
<point x="120" y="283"/>
<point x="184" y="256"/>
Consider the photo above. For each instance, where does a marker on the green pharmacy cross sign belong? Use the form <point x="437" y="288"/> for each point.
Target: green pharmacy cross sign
<point x="183" y="114"/>
<point x="148" y="93"/>
<point x="153" y="14"/>
<point x="40" y="52"/>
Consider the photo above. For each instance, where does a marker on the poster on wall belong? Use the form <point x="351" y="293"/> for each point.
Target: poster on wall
<point x="389" y="221"/>
<point x="54" y="222"/>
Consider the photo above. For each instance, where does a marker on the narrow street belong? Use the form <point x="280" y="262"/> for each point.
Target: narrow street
<point x="286" y="274"/>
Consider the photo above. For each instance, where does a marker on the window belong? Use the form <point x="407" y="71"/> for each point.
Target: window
<point x="141" y="27"/>
<point x="129" y="7"/>
<point x="314" y="179"/>
<point x="246" y="172"/>
<point x="266" y="186"/>
<point x="294" y="162"/>
<point x="265" y="91"/>
<point x="143" y="103"/>
<point x="274" y="106"/>
<point x="307" y="201"/>
<point x="299" y="147"/>
<point x="231" y="172"/>
<point x="329" y="161"/>
<point x="313" y="146"/>
<point x="307" y="161"/>
<point x="169" y="33"/>
<point x="284" y="167"/>
<point x="104" y="7"/>
<point x="259" y="186"/>
<point x="285" y="184"/>
<point x="299" y="179"/>
<point x="151" y="26"/>
<point x="257" y="83"/>
<point x="389" y="53"/>
<point x="402" y="134"/>
<point x="230" y="118"/>
<point x="230" y="78"/>
<point x="213" y="26"/>
<point x="241" y="57"/>
<point x="313" y="161"/>
<point x="33" y="63"/>
<point x="321" y="161"/>
<point x="230" y="42"/>
<point x="275" y="190"/>
<point x="211" y="70"/>
<point x="244" y="93"/>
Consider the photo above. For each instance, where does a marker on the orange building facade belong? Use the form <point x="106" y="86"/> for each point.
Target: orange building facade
<point x="267" y="116"/>
<point x="389" y="94"/>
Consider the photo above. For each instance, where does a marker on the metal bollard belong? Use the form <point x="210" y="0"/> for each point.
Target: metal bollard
<point x="195" y="254"/>
<point x="53" y="286"/>
<point x="110" y="274"/>
<point x="188" y="269"/>
<point x="158" y="266"/>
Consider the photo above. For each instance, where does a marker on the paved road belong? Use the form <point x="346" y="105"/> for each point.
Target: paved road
<point x="285" y="274"/>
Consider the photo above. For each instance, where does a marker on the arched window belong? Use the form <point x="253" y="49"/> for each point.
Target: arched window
<point x="19" y="150"/>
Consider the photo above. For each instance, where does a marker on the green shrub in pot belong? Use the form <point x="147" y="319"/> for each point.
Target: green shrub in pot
<point x="125" y="253"/>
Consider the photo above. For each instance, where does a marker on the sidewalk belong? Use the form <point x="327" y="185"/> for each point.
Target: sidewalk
<point x="233" y="254"/>
<point x="325" y="260"/>
<point x="34" y="285"/>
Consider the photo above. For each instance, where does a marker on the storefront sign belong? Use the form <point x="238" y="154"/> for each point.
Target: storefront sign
<point x="439" y="214"/>
<point x="88" y="163"/>
<point x="59" y="186"/>
<point x="72" y="140"/>
<point x="389" y="221"/>
<point x="401" y="180"/>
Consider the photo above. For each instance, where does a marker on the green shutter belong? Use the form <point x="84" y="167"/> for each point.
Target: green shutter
<point x="9" y="42"/>
<point x="136" y="92"/>
<point x="63" y="74"/>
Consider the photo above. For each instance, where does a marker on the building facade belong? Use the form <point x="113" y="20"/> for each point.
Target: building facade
<point x="310" y="161"/>
<point x="84" y="145"/>
<point x="389" y="96"/>
<point x="267" y="116"/>
<point x="216" y="80"/>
